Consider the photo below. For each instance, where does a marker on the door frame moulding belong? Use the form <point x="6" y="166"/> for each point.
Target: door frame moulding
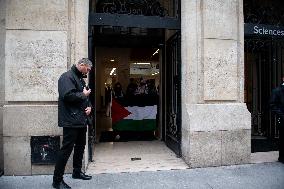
<point x="139" y="21"/>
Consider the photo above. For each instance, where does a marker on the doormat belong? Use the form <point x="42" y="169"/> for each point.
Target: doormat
<point x="125" y="136"/>
<point x="264" y="145"/>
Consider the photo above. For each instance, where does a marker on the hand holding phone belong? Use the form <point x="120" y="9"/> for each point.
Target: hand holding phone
<point x="86" y="91"/>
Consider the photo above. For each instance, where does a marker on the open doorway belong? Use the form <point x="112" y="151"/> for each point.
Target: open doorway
<point x="127" y="83"/>
<point x="129" y="94"/>
<point x="133" y="93"/>
<point x="137" y="85"/>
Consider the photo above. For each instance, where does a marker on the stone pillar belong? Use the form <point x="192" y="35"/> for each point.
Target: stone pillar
<point x="43" y="38"/>
<point x="2" y="72"/>
<point x="216" y="126"/>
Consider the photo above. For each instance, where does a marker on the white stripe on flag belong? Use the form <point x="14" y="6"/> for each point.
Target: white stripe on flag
<point x="139" y="113"/>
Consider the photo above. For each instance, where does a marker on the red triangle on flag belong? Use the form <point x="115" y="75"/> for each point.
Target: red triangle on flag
<point x="118" y="112"/>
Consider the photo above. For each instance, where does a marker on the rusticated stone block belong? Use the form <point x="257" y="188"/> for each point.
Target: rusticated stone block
<point x="205" y="149"/>
<point x="185" y="141"/>
<point x="37" y="14"/>
<point x="30" y="120"/>
<point x="1" y="153"/>
<point x="220" y="70"/>
<point x="17" y="155"/>
<point x="214" y="117"/>
<point x="220" y="19"/>
<point x="236" y="147"/>
<point x="34" y="62"/>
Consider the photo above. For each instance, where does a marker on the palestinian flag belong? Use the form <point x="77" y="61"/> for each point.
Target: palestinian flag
<point x="118" y="112"/>
<point x="137" y="113"/>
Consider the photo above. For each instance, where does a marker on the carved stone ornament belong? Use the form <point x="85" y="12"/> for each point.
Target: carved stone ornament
<point x="132" y="7"/>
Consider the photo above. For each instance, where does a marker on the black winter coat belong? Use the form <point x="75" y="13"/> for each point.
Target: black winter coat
<point x="72" y="101"/>
<point x="277" y="101"/>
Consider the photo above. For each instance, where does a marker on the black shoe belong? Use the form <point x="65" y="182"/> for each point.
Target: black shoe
<point x="60" y="185"/>
<point x="81" y="175"/>
<point x="281" y="160"/>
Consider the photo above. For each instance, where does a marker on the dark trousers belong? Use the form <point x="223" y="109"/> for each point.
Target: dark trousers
<point x="72" y="137"/>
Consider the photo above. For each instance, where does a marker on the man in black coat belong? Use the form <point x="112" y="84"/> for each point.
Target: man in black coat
<point x="73" y="111"/>
<point x="277" y="106"/>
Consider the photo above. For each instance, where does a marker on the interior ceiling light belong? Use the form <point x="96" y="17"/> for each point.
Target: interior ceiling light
<point x="112" y="60"/>
<point x="112" y="71"/>
<point x="156" y="52"/>
<point x="142" y="63"/>
<point x="155" y="73"/>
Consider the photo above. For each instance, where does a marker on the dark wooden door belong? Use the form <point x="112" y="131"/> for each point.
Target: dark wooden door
<point x="173" y="93"/>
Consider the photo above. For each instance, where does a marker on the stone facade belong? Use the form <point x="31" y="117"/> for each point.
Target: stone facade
<point x="43" y="38"/>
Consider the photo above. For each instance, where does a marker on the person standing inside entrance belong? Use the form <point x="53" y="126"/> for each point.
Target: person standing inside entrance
<point x="73" y="111"/>
<point x="277" y="107"/>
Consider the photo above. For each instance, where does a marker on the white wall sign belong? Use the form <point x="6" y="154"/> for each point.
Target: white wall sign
<point x="265" y="30"/>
